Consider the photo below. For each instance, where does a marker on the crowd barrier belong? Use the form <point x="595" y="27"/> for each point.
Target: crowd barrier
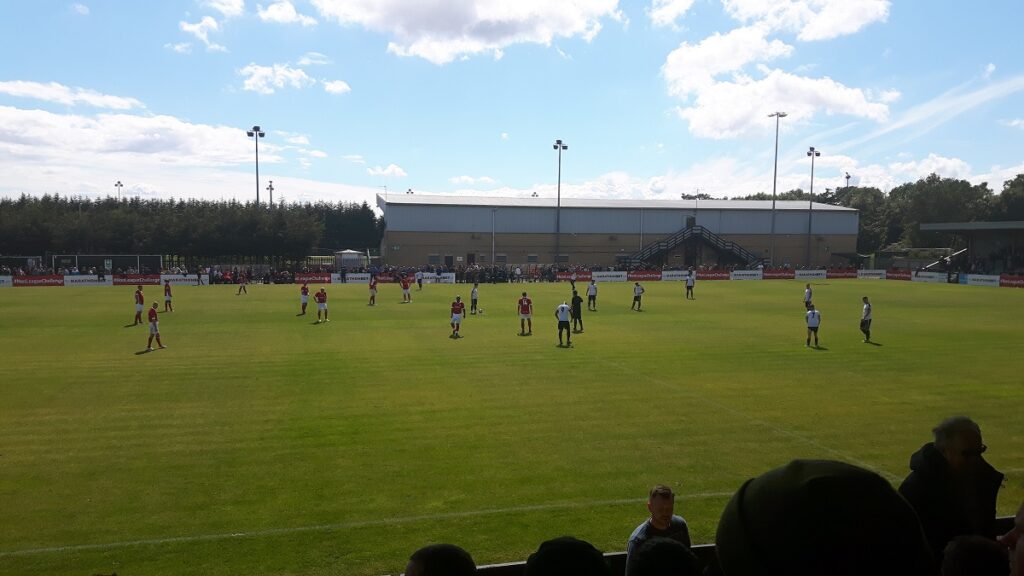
<point x="1004" y="280"/>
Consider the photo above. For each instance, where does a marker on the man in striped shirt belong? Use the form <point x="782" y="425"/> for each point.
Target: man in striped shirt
<point x="865" y="320"/>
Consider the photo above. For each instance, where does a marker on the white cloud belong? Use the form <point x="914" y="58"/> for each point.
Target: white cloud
<point x="691" y="68"/>
<point x="504" y="135"/>
<point x="441" y="31"/>
<point x="811" y="19"/>
<point x="469" y="180"/>
<point x="313" y="59"/>
<point x="666" y="12"/>
<point x="989" y="69"/>
<point x="80" y="9"/>
<point x="293" y="138"/>
<point x="391" y="170"/>
<point x="180" y="47"/>
<point x="117" y="138"/>
<point x="201" y="30"/>
<point x="283" y="12"/>
<point x="61" y="94"/>
<point x="228" y="8"/>
<point x="318" y="154"/>
<point x="1015" y="123"/>
<point x="336" y="87"/>
<point x="933" y="164"/>
<point x="738" y="107"/>
<point x="354" y="158"/>
<point x="264" y="79"/>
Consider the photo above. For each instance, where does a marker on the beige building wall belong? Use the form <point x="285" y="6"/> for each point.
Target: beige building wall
<point x="455" y="248"/>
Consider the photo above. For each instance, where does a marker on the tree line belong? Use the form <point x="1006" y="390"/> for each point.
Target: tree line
<point x="189" y="228"/>
<point x="54" y="224"/>
<point x="890" y="221"/>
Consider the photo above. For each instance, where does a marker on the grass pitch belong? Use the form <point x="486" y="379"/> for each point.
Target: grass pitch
<point x="261" y="443"/>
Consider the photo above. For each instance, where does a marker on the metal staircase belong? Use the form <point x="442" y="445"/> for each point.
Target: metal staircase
<point x="665" y="244"/>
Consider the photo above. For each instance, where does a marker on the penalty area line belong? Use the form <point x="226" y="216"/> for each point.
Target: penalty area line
<point x="343" y="525"/>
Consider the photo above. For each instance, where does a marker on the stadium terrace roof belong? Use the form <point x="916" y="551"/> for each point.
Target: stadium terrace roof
<point x="971" y="226"/>
<point x="442" y="200"/>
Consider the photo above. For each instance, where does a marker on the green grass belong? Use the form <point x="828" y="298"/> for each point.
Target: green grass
<point x="341" y="448"/>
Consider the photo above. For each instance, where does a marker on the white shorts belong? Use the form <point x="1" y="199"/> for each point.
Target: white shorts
<point x="154" y="327"/>
<point x="373" y="291"/>
<point x="320" y="306"/>
<point x="456" y="318"/>
<point x="405" y="291"/>
<point x="138" y="307"/>
<point x="525" y="316"/>
<point x="305" y="299"/>
<point x="167" y="298"/>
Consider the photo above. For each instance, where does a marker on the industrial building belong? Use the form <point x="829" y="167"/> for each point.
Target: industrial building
<point x="459" y="230"/>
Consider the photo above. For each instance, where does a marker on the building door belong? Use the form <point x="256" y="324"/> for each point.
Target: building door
<point x="470" y="259"/>
<point x="449" y="261"/>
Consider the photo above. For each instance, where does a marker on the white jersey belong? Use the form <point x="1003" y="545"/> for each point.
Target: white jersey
<point x="473" y="294"/>
<point x="592" y="290"/>
<point x="867" y="312"/>
<point x="638" y="290"/>
<point x="813" y="318"/>
<point x="563" y="312"/>
<point x="807" y="295"/>
<point x="690" y="279"/>
<point x="419" y="276"/>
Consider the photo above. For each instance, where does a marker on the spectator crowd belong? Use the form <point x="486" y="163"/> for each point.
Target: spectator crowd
<point x="813" y="517"/>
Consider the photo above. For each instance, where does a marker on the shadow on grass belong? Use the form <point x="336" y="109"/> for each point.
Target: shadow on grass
<point x="874" y="344"/>
<point x="141" y="352"/>
<point x="130" y="325"/>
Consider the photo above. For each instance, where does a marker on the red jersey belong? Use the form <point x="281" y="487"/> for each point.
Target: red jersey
<point x="458" y="307"/>
<point x="139" y="298"/>
<point x="524" y="305"/>
<point x="405" y="283"/>
<point x="305" y="290"/>
<point x="167" y="289"/>
<point x="152" y="314"/>
<point x="373" y="282"/>
<point x="321" y="297"/>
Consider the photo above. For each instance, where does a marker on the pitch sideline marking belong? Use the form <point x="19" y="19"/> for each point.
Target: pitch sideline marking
<point x="773" y="427"/>
<point x="344" y="525"/>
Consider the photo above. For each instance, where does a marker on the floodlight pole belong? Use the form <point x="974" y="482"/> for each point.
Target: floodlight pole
<point x="810" y="208"/>
<point x="118" y="185"/>
<point x="270" y="189"/>
<point x="558" y="202"/>
<point x="775" y="178"/>
<point x="256" y="133"/>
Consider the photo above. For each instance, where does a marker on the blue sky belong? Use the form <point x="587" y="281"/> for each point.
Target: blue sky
<point x="654" y="98"/>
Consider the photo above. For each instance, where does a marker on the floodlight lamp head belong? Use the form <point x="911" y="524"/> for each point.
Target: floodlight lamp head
<point x="249" y="133"/>
<point x="262" y="134"/>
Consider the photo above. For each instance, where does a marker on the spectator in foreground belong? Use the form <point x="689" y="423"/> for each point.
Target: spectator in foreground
<point x="663" y="523"/>
<point x="975" y="556"/>
<point x="1014" y="542"/>
<point x="814" y="517"/>
<point x="664" y="557"/>
<point x="440" y="560"/>
<point x="567" y="556"/>
<point x="951" y="486"/>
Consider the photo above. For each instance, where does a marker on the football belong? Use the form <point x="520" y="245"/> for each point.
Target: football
<point x="480" y="311"/>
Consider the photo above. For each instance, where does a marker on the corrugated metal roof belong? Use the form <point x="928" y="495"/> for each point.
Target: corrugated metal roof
<point x="443" y="200"/>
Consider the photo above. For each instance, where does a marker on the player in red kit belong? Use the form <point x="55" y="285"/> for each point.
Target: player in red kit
<point x="242" y="281"/>
<point x="525" y="306"/>
<point x="458" y="309"/>
<point x="373" y="290"/>
<point x="304" y="298"/>
<point x="406" y="296"/>
<point x="140" y="301"/>
<point x="168" y="307"/>
<point x="154" y="330"/>
<point x="321" y="305"/>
